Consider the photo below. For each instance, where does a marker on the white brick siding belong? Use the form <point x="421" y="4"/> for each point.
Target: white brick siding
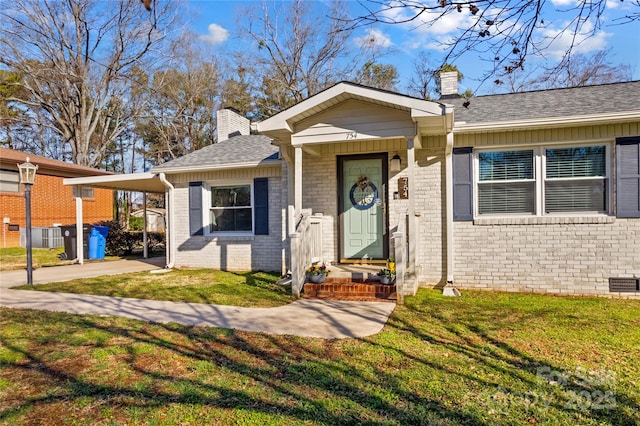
<point x="564" y="258"/>
<point x="259" y="252"/>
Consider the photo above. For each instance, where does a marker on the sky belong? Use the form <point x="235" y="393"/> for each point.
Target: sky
<point x="214" y="22"/>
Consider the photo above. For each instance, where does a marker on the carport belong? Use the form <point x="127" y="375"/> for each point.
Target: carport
<point x="137" y="182"/>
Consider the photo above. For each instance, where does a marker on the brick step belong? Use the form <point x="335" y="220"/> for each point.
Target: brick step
<point x="345" y="289"/>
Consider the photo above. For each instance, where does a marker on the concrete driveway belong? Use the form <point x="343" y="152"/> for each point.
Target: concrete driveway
<point x="303" y="317"/>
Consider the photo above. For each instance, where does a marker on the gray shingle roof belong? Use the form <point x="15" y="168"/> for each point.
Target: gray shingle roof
<point x="576" y="101"/>
<point x="237" y="150"/>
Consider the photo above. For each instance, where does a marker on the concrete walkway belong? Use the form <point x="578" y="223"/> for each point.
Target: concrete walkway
<point x="304" y="317"/>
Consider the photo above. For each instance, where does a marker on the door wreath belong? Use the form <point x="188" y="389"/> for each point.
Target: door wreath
<point x="363" y="194"/>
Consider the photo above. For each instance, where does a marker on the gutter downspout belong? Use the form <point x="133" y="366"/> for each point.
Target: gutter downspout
<point x="448" y="289"/>
<point x="170" y="217"/>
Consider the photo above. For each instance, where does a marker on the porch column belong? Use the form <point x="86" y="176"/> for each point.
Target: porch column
<point x="412" y="232"/>
<point x="297" y="182"/>
<point x="79" y="220"/>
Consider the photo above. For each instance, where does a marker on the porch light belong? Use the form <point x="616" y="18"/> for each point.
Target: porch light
<point x="27" y="178"/>
<point x="395" y="163"/>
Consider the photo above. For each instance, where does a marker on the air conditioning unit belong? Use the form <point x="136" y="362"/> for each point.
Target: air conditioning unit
<point x="50" y="237"/>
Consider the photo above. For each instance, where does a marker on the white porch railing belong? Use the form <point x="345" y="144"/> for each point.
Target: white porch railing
<point x="401" y="253"/>
<point x="306" y="248"/>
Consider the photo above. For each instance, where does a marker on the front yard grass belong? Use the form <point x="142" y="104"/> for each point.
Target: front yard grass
<point x="482" y="359"/>
<point x="253" y="289"/>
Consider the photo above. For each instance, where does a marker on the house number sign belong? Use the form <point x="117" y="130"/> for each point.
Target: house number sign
<point x="403" y="188"/>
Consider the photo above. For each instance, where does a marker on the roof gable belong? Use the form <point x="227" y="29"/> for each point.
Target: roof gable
<point x="341" y="92"/>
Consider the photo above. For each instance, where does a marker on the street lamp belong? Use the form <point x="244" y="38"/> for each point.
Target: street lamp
<point x="28" y="177"/>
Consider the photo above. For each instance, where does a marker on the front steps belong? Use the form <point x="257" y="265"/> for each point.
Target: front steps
<point x="364" y="290"/>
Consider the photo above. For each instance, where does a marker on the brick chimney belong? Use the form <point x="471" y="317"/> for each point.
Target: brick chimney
<point x="231" y="123"/>
<point x="449" y="84"/>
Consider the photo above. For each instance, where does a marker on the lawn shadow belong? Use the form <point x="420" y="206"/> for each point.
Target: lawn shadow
<point x="289" y="377"/>
<point x="531" y="380"/>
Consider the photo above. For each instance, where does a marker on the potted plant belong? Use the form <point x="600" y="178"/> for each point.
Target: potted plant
<point x="387" y="276"/>
<point x="317" y="273"/>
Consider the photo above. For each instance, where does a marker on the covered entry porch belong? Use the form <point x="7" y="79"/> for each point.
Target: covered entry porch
<point x="350" y="155"/>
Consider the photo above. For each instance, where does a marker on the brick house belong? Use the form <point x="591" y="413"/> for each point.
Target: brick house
<point x="530" y="192"/>
<point x="52" y="203"/>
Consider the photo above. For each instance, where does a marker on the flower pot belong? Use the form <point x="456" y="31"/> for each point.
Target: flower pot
<point x="317" y="279"/>
<point x="386" y="279"/>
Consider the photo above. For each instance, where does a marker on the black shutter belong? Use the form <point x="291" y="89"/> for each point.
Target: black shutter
<point x="261" y="205"/>
<point x="195" y="208"/>
<point x="462" y="184"/>
<point x="628" y="177"/>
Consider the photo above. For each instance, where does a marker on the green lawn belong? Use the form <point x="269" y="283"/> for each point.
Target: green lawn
<point x="253" y="289"/>
<point x="482" y="359"/>
<point x="16" y="258"/>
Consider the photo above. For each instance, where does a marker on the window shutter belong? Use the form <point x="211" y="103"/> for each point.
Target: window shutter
<point x="261" y="205"/>
<point x="462" y="184"/>
<point x="195" y="208"/>
<point x="628" y="177"/>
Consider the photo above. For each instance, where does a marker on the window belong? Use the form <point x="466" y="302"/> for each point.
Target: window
<point x="507" y="182"/>
<point x="86" y="192"/>
<point x="543" y="181"/>
<point x="231" y="209"/>
<point x="9" y="181"/>
<point x="576" y="179"/>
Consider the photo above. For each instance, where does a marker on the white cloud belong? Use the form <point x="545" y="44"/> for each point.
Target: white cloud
<point x="582" y="43"/>
<point x="373" y="38"/>
<point x="563" y="2"/>
<point x="216" y="34"/>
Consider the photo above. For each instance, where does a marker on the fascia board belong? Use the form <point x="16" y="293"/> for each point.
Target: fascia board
<point x="267" y="163"/>
<point x="462" y="127"/>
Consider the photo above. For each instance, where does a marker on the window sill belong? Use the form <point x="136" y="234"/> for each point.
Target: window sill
<point x="229" y="237"/>
<point x="545" y="220"/>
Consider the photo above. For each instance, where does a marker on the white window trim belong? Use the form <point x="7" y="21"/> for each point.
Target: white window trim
<point x="206" y="211"/>
<point x="539" y="173"/>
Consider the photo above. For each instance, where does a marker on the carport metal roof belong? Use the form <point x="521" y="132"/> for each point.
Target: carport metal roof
<point x="140" y="182"/>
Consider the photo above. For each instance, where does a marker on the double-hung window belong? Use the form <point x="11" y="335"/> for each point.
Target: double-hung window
<point x="231" y="209"/>
<point x="540" y="181"/>
<point x="506" y="182"/>
<point x="576" y="179"/>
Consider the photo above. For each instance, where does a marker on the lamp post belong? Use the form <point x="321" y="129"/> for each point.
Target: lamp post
<point x="27" y="178"/>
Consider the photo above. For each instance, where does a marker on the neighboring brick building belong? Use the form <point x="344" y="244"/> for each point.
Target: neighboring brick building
<point x="51" y="202"/>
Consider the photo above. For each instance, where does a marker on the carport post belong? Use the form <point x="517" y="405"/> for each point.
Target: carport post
<point x="145" y="243"/>
<point x="79" y="233"/>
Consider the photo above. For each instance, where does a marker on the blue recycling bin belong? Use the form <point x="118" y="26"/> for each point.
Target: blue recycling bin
<point x="98" y="242"/>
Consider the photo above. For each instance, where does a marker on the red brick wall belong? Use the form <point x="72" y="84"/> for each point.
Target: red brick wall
<point x="51" y="202"/>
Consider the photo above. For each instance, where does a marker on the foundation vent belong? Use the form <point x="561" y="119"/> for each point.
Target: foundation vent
<point x="624" y="285"/>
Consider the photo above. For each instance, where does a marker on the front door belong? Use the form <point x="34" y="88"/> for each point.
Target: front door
<point x="362" y="203"/>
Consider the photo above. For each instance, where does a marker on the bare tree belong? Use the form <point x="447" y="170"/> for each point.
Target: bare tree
<point x="75" y="58"/>
<point x="582" y="70"/>
<point x="299" y="52"/>
<point x="503" y="32"/>
<point x="422" y="82"/>
<point x="179" y="115"/>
